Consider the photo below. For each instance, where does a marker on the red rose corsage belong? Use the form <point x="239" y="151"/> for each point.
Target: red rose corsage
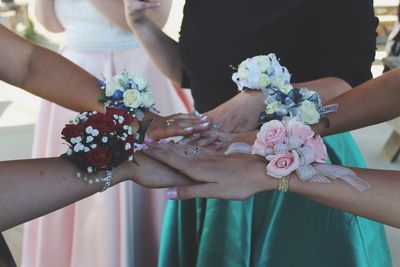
<point x="99" y="142"/>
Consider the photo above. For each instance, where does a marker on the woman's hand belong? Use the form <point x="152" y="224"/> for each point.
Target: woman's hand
<point x="227" y="177"/>
<point x="135" y="11"/>
<point x="154" y="174"/>
<point x="176" y="125"/>
<point x="217" y="139"/>
<point x="240" y="113"/>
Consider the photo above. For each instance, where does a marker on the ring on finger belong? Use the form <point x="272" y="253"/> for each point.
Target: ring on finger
<point x="216" y="126"/>
<point x="170" y="122"/>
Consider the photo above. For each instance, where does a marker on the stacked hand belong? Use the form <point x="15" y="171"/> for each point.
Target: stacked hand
<point x="217" y="176"/>
<point x="217" y="139"/>
<point x="176" y="125"/>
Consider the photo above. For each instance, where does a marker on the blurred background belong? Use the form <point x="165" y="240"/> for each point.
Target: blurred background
<point x="380" y="144"/>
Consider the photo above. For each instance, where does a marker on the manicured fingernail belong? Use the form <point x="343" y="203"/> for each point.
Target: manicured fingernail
<point x="203" y="118"/>
<point x="188" y="129"/>
<point x="205" y="124"/>
<point x="144" y="147"/>
<point x="196" y="135"/>
<point x="171" y="193"/>
<point x="148" y="140"/>
<point x="163" y="141"/>
<point x="181" y="143"/>
<point x="218" y="142"/>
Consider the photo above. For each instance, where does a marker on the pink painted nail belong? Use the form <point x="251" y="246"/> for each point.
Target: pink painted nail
<point x="163" y="141"/>
<point x="206" y="124"/>
<point x="171" y="193"/>
<point x="203" y="118"/>
<point x="145" y="147"/>
<point x="148" y="140"/>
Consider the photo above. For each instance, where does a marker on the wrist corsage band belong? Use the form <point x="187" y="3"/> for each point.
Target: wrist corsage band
<point x="265" y="73"/>
<point x="291" y="146"/>
<point x="99" y="142"/>
<point x="127" y="92"/>
<point x="293" y="102"/>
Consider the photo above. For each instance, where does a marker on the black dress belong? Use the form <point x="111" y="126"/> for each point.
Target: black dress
<point x="313" y="38"/>
<point x="6" y="259"/>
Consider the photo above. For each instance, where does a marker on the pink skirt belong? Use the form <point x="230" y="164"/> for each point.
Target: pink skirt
<point x="120" y="227"/>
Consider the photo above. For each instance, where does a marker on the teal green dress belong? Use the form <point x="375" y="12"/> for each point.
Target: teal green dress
<point x="273" y="229"/>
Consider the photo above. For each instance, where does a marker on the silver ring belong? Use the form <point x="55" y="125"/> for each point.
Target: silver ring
<point x="193" y="152"/>
<point x="170" y="122"/>
<point x="216" y="126"/>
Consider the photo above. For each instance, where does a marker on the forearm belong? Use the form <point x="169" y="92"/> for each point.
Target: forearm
<point x="56" y="79"/>
<point x="327" y="88"/>
<point x="161" y="48"/>
<point x="380" y="202"/>
<point x="370" y="103"/>
<point x="47" y="74"/>
<point x="32" y="188"/>
<point x="45" y="14"/>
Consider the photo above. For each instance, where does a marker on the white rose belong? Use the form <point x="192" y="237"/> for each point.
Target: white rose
<point x="243" y="72"/>
<point x="263" y="63"/>
<point x="263" y="80"/>
<point x="273" y="107"/>
<point x="308" y="112"/>
<point x="148" y="99"/>
<point x="113" y="86"/>
<point x="278" y="82"/>
<point x="140" y="82"/>
<point x="132" y="98"/>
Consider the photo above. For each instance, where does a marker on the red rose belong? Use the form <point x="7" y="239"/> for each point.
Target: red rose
<point x="128" y="119"/>
<point x="99" y="157"/>
<point x="70" y="131"/>
<point x="102" y="122"/>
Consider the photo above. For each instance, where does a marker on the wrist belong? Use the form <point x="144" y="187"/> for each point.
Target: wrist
<point x="261" y="180"/>
<point x="123" y="172"/>
<point x="256" y="97"/>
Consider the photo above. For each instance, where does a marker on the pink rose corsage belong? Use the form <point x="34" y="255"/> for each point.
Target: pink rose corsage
<point x="291" y="145"/>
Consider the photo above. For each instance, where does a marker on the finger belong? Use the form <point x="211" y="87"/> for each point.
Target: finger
<point x="216" y="145"/>
<point x="134" y="6"/>
<point x="202" y="126"/>
<point x="207" y="190"/>
<point x="205" y="141"/>
<point x="184" y="116"/>
<point x="189" y="139"/>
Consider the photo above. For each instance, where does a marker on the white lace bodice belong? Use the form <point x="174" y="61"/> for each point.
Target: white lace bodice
<point x="86" y="28"/>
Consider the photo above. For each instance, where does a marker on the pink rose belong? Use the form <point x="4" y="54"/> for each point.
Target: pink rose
<point x="282" y="164"/>
<point x="299" y="129"/>
<point x="319" y="148"/>
<point x="270" y="134"/>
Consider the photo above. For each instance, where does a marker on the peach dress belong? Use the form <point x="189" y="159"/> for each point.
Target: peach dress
<point x="120" y="227"/>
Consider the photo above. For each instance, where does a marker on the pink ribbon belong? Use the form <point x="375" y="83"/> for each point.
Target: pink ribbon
<point x="309" y="171"/>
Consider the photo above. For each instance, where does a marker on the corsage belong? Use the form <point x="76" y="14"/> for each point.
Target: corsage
<point x="127" y="92"/>
<point x="291" y="146"/>
<point x="261" y="73"/>
<point x="99" y="142"/>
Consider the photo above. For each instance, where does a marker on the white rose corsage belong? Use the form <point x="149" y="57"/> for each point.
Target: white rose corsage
<point x="261" y="73"/>
<point x="127" y="92"/>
